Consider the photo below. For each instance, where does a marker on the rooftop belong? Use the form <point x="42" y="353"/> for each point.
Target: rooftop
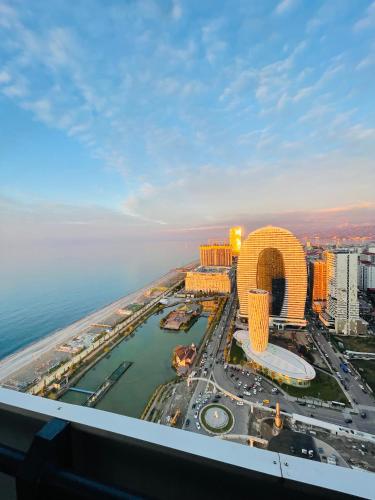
<point x="212" y="269"/>
<point x="277" y="359"/>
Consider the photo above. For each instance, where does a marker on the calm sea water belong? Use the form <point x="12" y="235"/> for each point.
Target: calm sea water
<point x="43" y="289"/>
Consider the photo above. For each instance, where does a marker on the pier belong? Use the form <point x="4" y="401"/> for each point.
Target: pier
<point x="99" y="393"/>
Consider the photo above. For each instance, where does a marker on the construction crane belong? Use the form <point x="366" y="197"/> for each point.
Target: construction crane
<point x="173" y="420"/>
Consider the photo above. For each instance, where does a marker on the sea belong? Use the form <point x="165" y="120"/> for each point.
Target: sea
<point x="44" y="287"/>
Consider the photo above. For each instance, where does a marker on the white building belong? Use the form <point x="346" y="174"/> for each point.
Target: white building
<point x="366" y="270"/>
<point x="342" y="290"/>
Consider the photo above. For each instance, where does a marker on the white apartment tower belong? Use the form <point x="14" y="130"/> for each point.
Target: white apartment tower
<point x="366" y="270"/>
<point x="342" y="302"/>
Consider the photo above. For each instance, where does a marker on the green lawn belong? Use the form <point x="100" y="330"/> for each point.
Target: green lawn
<point x="359" y="344"/>
<point x="323" y="387"/>
<point x="368" y="372"/>
<point x="236" y="356"/>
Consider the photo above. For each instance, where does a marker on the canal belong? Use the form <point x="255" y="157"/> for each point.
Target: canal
<point x="150" y="350"/>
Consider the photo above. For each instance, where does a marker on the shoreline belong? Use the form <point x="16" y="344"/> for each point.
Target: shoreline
<point x="26" y="355"/>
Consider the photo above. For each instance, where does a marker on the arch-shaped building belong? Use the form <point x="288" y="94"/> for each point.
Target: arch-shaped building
<point x="272" y="259"/>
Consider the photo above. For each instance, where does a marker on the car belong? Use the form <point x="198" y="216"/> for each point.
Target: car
<point x="196" y="414"/>
<point x="275" y="390"/>
<point x="239" y="403"/>
<point x="363" y="414"/>
<point x="311" y="453"/>
<point x="197" y="424"/>
<point x="247" y="393"/>
<point x="266" y="401"/>
<point x="187" y="423"/>
<point x="355" y="401"/>
<point x="193" y="406"/>
<point x="348" y="420"/>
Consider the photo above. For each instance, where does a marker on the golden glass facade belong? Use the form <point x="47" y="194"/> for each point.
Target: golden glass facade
<point x="319" y="280"/>
<point x="268" y="255"/>
<point x="235" y="239"/>
<point x="216" y="255"/>
<point x="208" y="282"/>
<point x="258" y="318"/>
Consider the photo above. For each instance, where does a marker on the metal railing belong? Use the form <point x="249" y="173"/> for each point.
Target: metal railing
<point x="56" y="450"/>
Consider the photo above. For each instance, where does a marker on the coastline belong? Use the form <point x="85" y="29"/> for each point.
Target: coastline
<point x="26" y="355"/>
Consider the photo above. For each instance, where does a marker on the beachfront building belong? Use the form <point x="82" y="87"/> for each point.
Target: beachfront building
<point x="258" y="314"/>
<point x="208" y="280"/>
<point x="216" y="254"/>
<point x="272" y="259"/>
<point x="235" y="240"/>
<point x="273" y="361"/>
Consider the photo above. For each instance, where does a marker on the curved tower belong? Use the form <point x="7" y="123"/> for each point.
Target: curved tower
<point x="258" y="313"/>
<point x="273" y="259"/>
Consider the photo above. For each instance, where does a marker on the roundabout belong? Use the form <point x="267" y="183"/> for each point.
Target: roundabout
<point x="216" y="419"/>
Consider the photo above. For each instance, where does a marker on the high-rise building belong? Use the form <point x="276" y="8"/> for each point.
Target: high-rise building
<point x="235" y="239"/>
<point x="366" y="270"/>
<point x="318" y="279"/>
<point x="274" y="361"/>
<point x="342" y="300"/>
<point x="216" y="254"/>
<point x="319" y="291"/>
<point x="273" y="259"/>
<point x="258" y="314"/>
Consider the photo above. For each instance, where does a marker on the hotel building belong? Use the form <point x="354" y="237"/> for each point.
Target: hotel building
<point x="273" y="259"/>
<point x="216" y="255"/>
<point x="235" y="240"/>
<point x="258" y="307"/>
<point x="277" y="363"/>
<point x="208" y="280"/>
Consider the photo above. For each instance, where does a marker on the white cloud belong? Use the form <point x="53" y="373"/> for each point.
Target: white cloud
<point x="4" y="76"/>
<point x="284" y="6"/>
<point x="176" y="10"/>
<point x="368" y="20"/>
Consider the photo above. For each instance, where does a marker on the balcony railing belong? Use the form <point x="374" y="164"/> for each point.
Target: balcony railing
<point x="54" y="450"/>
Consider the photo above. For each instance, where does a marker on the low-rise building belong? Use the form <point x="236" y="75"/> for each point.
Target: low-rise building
<point x="208" y="280"/>
<point x="183" y="357"/>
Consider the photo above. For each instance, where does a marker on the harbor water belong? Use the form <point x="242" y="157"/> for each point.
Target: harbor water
<point x="150" y="349"/>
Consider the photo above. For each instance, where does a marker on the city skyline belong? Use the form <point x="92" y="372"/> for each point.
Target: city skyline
<point x="260" y="109"/>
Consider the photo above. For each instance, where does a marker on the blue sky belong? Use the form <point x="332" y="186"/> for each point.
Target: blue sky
<point x="165" y="114"/>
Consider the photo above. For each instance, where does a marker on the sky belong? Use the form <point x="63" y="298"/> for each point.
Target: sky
<point x="178" y="118"/>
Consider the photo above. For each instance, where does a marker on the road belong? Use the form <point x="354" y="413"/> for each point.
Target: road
<point x="230" y="379"/>
<point x="354" y="390"/>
